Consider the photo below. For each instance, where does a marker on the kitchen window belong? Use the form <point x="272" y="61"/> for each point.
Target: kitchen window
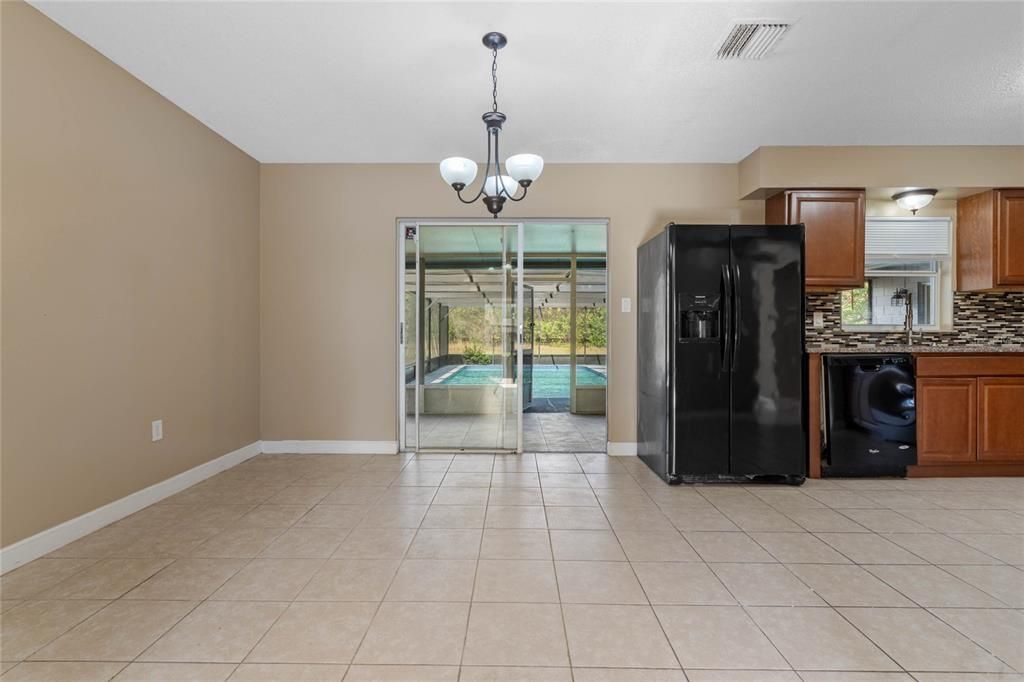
<point x="903" y="253"/>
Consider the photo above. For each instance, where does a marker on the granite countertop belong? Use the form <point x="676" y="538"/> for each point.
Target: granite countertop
<point x="916" y="348"/>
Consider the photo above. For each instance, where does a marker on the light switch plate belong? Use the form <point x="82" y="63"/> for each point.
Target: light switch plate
<point x="819" y="320"/>
<point x="627" y="305"/>
<point x="157" y="429"/>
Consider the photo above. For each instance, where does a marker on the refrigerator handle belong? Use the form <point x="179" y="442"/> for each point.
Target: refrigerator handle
<point x="726" y="316"/>
<point x="736" y="313"/>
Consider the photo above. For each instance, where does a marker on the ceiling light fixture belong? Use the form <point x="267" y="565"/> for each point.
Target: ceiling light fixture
<point x="914" y="200"/>
<point x="523" y="169"/>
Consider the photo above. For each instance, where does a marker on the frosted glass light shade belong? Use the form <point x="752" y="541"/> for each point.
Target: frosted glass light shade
<point x="457" y="169"/>
<point x="914" y="199"/>
<point x="524" y="167"/>
<point x="493" y="189"/>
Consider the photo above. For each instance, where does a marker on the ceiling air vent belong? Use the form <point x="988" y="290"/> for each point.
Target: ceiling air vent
<point x="752" y="39"/>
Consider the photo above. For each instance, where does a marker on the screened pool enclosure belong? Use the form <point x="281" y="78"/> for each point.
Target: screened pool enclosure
<point x="504" y="336"/>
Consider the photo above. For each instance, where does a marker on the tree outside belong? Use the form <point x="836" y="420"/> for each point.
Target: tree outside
<point x="478" y="330"/>
<point x="592" y="330"/>
<point x="480" y="327"/>
<point x="856" y="306"/>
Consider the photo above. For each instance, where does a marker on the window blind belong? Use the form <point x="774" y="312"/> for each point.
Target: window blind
<point x="888" y="237"/>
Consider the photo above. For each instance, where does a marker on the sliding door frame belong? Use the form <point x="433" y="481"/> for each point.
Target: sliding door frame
<point x="403" y="334"/>
<point x="402" y="223"/>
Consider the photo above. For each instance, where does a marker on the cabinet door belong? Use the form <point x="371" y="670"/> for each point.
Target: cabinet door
<point x="947" y="420"/>
<point x="1000" y="419"/>
<point x="834" y="241"/>
<point x="1010" y="237"/>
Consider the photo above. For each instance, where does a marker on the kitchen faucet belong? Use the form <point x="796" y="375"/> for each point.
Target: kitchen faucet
<point x="907" y="298"/>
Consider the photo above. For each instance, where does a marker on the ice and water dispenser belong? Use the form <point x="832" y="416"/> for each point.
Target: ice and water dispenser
<point x="699" y="317"/>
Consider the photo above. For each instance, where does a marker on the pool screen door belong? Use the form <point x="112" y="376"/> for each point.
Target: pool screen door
<point x="461" y="336"/>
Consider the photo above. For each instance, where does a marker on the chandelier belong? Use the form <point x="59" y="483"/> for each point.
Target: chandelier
<point x="520" y="170"/>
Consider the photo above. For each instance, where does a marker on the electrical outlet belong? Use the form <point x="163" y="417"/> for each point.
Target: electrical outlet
<point x="819" y="320"/>
<point x="627" y="305"/>
<point x="157" y="429"/>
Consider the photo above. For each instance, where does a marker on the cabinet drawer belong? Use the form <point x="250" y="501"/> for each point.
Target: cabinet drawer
<point x="969" y="365"/>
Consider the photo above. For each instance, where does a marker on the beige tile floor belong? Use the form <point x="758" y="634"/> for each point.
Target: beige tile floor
<point x="539" y="567"/>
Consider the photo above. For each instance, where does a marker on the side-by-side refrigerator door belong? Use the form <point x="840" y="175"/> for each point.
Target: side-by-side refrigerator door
<point x="768" y="436"/>
<point x="701" y="342"/>
<point x="652" y="282"/>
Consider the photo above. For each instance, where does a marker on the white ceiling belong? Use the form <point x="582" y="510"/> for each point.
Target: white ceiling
<point x="580" y="82"/>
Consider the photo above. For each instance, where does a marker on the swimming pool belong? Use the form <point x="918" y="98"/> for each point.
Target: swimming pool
<point x="549" y="381"/>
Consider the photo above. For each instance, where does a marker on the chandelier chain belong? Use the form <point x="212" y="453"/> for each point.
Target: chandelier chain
<point x="494" y="79"/>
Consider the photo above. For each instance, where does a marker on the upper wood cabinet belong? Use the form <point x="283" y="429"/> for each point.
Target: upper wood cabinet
<point x="834" y="237"/>
<point x="990" y="240"/>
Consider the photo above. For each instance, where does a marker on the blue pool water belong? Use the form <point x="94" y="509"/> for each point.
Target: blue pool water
<point x="549" y="381"/>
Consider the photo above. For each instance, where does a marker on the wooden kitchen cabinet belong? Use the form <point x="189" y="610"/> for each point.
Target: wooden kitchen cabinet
<point x="834" y="237"/>
<point x="970" y="415"/>
<point x="990" y="241"/>
<point x="1001" y="419"/>
<point x="947" y="420"/>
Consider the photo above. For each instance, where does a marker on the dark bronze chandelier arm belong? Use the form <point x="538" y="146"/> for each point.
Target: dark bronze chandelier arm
<point x="497" y="174"/>
<point x="483" y="184"/>
<point x="522" y="196"/>
<point x="458" y="193"/>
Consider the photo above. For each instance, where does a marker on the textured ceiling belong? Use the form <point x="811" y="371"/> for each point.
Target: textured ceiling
<point x="580" y="82"/>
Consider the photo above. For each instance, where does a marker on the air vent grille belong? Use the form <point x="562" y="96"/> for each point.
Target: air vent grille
<point x="752" y="40"/>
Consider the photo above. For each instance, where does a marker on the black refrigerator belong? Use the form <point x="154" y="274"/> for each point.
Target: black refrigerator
<point x="720" y="348"/>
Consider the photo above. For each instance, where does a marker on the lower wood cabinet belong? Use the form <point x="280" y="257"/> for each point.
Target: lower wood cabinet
<point x="970" y="415"/>
<point x="947" y="419"/>
<point x="1001" y="419"/>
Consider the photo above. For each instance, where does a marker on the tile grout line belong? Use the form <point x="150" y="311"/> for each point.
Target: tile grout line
<point x="972" y="640"/>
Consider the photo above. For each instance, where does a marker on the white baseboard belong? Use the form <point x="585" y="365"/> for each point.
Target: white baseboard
<point x="330" y="447"/>
<point x="46" y="541"/>
<point x="621" y="449"/>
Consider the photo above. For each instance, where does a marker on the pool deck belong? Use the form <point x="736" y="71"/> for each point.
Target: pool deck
<point x="542" y="432"/>
<point x="564" y="432"/>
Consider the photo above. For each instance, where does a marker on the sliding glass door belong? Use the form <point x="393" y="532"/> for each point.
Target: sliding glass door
<point x="461" y="337"/>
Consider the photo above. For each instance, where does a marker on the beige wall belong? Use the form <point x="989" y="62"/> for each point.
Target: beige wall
<point x="130" y="270"/>
<point x="965" y="168"/>
<point x="328" y="276"/>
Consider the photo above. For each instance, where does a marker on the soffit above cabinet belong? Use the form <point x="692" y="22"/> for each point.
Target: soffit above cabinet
<point x="961" y="170"/>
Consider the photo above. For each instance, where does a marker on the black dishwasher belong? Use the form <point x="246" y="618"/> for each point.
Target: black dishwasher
<point x="870" y="415"/>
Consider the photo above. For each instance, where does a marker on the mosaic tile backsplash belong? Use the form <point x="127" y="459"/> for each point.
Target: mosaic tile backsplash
<point x="989" y="319"/>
